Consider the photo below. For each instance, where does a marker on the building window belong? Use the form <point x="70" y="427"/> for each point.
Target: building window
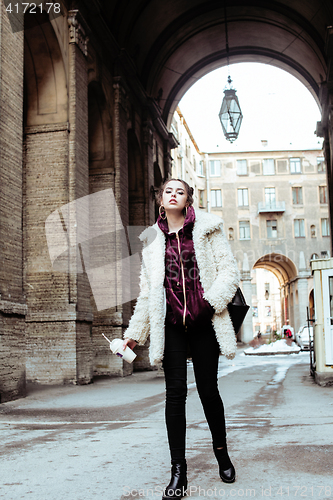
<point x="231" y="233"/>
<point x="267" y="310"/>
<point x="321" y="164"/>
<point x="267" y="291"/>
<point x="271" y="228"/>
<point x="244" y="230"/>
<point x="268" y="167"/>
<point x="297" y="194"/>
<point x="241" y="167"/>
<point x="243" y="197"/>
<point x="200" y="168"/>
<point x="295" y="166"/>
<point x="322" y="195"/>
<point x="325" y="227"/>
<point x="216" y="198"/>
<point x="174" y="128"/>
<point x="299" y="228"/>
<point x="201" y="198"/>
<point x="214" y="168"/>
<point x="255" y="311"/>
<point x="270" y="200"/>
<point x="282" y="166"/>
<point x="313" y="231"/>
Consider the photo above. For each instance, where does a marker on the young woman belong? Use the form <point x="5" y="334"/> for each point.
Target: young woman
<point x="188" y="277"/>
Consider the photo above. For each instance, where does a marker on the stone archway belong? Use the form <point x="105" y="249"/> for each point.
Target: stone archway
<point x="280" y="265"/>
<point x="58" y="345"/>
<point x="45" y="172"/>
<point x="294" y="286"/>
<point x="186" y="40"/>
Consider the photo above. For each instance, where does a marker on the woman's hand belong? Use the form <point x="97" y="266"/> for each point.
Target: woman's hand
<point x="130" y="343"/>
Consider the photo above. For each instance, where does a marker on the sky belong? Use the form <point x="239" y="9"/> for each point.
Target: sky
<point x="276" y="108"/>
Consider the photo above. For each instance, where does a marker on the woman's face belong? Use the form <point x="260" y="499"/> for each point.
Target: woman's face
<point x="174" y="197"/>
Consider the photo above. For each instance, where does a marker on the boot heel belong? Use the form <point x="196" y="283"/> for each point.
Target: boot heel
<point x="177" y="487"/>
<point x="226" y="469"/>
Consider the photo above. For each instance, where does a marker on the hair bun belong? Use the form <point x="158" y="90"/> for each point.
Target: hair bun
<point x="191" y="190"/>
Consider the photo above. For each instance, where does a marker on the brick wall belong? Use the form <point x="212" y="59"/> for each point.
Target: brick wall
<point x="12" y="308"/>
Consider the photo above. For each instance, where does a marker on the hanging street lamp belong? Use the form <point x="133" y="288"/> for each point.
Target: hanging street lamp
<point x="230" y="113"/>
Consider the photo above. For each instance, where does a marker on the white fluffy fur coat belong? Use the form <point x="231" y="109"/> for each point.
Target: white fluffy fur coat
<point x="219" y="277"/>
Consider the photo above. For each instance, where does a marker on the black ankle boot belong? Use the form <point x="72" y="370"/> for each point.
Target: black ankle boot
<point x="227" y="470"/>
<point x="178" y="482"/>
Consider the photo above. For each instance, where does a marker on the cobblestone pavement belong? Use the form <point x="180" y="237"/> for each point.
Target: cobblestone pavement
<point x="108" y="441"/>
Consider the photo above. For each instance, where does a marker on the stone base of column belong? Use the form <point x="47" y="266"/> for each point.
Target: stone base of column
<point x="59" y="352"/>
<point x="12" y="357"/>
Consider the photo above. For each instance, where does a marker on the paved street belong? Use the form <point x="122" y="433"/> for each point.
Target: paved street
<point x="107" y="440"/>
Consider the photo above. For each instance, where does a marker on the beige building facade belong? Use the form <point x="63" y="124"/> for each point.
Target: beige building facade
<point x="275" y="209"/>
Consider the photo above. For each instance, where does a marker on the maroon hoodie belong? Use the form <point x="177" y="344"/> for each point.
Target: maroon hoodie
<point x="184" y="292"/>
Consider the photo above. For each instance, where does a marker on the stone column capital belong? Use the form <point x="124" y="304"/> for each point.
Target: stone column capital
<point x="245" y="276"/>
<point x="120" y="92"/>
<point x="148" y="133"/>
<point x="78" y="30"/>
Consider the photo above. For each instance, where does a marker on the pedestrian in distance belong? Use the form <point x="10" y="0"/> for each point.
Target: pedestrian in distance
<point x="188" y="277"/>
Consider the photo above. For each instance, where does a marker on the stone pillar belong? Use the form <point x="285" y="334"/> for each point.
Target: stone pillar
<point x="148" y="166"/>
<point x="12" y="300"/>
<point x="246" y="333"/>
<point x="79" y="289"/>
<point x="142" y="360"/>
<point x="327" y="114"/>
<point x="325" y="126"/>
<point x="291" y="302"/>
<point x="120" y="117"/>
<point x="303" y="298"/>
<point x="167" y="160"/>
<point x="59" y="315"/>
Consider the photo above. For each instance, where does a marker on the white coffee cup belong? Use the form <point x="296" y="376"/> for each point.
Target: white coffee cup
<point x="116" y="346"/>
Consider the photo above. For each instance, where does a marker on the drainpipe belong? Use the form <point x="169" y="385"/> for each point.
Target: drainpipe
<point x="182" y="165"/>
<point x="207" y="183"/>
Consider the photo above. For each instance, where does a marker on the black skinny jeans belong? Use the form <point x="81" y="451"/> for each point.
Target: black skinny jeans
<point x="204" y="351"/>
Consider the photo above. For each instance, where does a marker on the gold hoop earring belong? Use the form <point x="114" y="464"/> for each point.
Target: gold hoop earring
<point x="161" y="211"/>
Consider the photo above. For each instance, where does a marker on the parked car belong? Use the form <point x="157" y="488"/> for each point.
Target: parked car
<point x="303" y="337"/>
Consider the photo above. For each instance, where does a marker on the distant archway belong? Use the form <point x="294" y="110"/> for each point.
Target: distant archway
<point x="281" y="266"/>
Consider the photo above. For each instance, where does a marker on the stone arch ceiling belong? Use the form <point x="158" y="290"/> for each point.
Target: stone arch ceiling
<point x="175" y="42"/>
<point x="280" y="265"/>
<point x="44" y="73"/>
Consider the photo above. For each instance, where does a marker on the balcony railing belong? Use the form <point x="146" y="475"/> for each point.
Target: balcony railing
<point x="273" y="206"/>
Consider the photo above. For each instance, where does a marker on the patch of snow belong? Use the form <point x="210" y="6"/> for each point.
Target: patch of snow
<point x="280" y="375"/>
<point x="274" y="347"/>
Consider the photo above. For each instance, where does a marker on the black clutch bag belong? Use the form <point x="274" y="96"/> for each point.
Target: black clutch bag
<point x="237" y="309"/>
